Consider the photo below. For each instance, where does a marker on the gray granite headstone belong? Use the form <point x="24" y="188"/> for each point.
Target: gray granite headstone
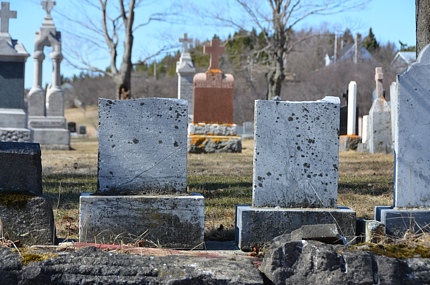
<point x="20" y="168"/>
<point x="142" y="146"/>
<point x="412" y="132"/>
<point x="296" y="154"/>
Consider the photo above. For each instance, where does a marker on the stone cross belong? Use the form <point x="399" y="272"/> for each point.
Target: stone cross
<point x="378" y="79"/>
<point x="185" y="40"/>
<point x="214" y="50"/>
<point x="5" y="15"/>
<point x="48" y="6"/>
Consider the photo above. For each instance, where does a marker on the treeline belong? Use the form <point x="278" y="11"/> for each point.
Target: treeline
<point x="308" y="77"/>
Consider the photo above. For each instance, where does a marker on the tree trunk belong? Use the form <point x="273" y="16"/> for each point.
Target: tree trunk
<point x="274" y="79"/>
<point x="422" y="12"/>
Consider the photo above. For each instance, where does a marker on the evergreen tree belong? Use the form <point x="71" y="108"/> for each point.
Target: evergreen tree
<point x="370" y="42"/>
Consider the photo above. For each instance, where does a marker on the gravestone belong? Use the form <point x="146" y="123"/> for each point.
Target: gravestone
<point x="142" y="177"/>
<point x="71" y="126"/>
<point x="295" y="178"/>
<point x="13" y="119"/>
<point x="25" y="214"/>
<point x="410" y="102"/>
<point x="46" y="107"/>
<point x="186" y="70"/>
<point x="379" y="137"/>
<point x="213" y="128"/>
<point x="82" y="130"/>
<point x="351" y="140"/>
<point x="248" y="130"/>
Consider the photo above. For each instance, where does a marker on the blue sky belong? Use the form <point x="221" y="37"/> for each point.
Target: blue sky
<point x="391" y="20"/>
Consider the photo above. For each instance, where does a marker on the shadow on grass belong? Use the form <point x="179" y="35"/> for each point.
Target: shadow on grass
<point x="63" y="190"/>
<point x="219" y="185"/>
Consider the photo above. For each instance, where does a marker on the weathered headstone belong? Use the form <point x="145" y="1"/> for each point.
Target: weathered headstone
<point x="46" y="109"/>
<point x="411" y="209"/>
<point x="379" y="122"/>
<point x="13" y="119"/>
<point x="351" y="140"/>
<point x="213" y="128"/>
<point x="295" y="176"/>
<point x="82" y="130"/>
<point x="142" y="176"/>
<point x="25" y="214"/>
<point x="186" y="71"/>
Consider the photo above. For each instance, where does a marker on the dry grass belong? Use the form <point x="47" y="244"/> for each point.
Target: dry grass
<point x="224" y="179"/>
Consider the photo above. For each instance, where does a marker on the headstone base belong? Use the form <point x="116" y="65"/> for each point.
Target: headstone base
<point x="58" y="139"/>
<point x="211" y="144"/>
<point x="349" y="142"/>
<point x="258" y="226"/>
<point x="399" y="221"/>
<point x="15" y="135"/>
<point x="27" y="218"/>
<point x="12" y="118"/>
<point x="166" y="221"/>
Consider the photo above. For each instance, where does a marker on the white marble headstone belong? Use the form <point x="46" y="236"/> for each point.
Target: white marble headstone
<point x="296" y="153"/>
<point x="412" y="134"/>
<point x="142" y="146"/>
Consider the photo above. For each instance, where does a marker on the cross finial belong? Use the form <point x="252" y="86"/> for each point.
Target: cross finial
<point x="378" y="79"/>
<point x="48" y="6"/>
<point x="185" y="40"/>
<point x="5" y="15"/>
<point x="214" y="50"/>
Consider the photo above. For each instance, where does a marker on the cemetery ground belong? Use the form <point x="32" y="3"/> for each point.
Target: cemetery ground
<point x="225" y="180"/>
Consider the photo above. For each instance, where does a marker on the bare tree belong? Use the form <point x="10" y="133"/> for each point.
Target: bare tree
<point x="107" y="28"/>
<point x="422" y="11"/>
<point x="276" y="20"/>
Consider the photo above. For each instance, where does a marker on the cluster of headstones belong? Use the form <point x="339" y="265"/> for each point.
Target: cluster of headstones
<point x="43" y="120"/>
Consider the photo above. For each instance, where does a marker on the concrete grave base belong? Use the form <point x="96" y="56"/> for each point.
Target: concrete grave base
<point x="166" y="220"/>
<point x="400" y="220"/>
<point x="258" y="226"/>
<point x="27" y="218"/>
<point x="210" y="144"/>
<point x="349" y="142"/>
<point x="15" y="135"/>
<point x="51" y="138"/>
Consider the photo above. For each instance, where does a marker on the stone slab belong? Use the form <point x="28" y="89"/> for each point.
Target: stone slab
<point x="399" y="221"/>
<point x="20" y="168"/>
<point x="327" y="233"/>
<point x="379" y="133"/>
<point x="12" y="85"/>
<point x="51" y="138"/>
<point x="142" y="146"/>
<point x="15" y="135"/>
<point x="55" y="103"/>
<point x="212" y="144"/>
<point x="47" y="122"/>
<point x="261" y="225"/>
<point x="296" y="154"/>
<point x="412" y="155"/>
<point x="370" y="231"/>
<point x="213" y="98"/>
<point x="13" y="118"/>
<point x="27" y="218"/>
<point x="212" y="129"/>
<point x="167" y="221"/>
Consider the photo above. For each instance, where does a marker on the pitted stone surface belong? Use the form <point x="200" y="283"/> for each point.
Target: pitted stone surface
<point x="296" y="154"/>
<point x="412" y="157"/>
<point x="14" y="135"/>
<point x="163" y="220"/>
<point x="142" y="146"/>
